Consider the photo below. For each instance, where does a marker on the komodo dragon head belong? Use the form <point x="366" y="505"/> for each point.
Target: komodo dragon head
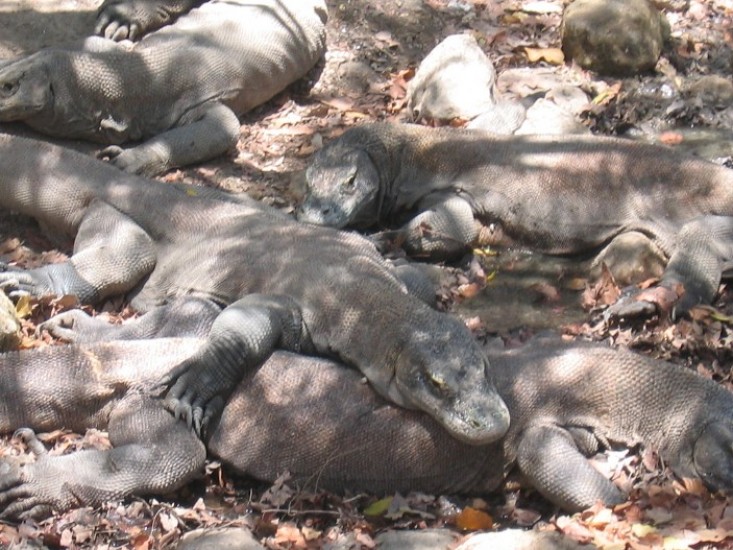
<point x="712" y="456"/>
<point x="25" y="88"/>
<point x="343" y="183"/>
<point x="440" y="370"/>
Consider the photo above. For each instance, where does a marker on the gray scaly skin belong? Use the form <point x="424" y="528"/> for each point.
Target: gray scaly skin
<point x="180" y="88"/>
<point x="282" y="284"/>
<point x="555" y="194"/>
<point x="315" y="419"/>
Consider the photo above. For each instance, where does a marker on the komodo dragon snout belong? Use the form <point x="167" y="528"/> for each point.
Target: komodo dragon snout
<point x="712" y="456"/>
<point x="25" y="88"/>
<point x="349" y="174"/>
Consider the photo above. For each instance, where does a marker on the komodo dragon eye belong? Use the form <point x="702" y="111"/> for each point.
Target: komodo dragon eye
<point x="350" y="180"/>
<point x="9" y="88"/>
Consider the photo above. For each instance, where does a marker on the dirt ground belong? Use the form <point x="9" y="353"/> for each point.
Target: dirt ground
<point x="373" y="47"/>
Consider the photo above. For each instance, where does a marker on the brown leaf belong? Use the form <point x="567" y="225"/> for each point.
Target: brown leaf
<point x="141" y="542"/>
<point x="289" y="535"/>
<point x="469" y="290"/>
<point x="574" y="529"/>
<point x="607" y="95"/>
<point x="671" y="138"/>
<point x="605" y="291"/>
<point x="546" y="291"/>
<point x="471" y="519"/>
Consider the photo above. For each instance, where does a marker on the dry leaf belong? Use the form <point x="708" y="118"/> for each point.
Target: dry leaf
<point x="554" y="56"/>
<point x="469" y="290"/>
<point x="471" y="519"/>
<point x="289" y="535"/>
<point x="671" y="138"/>
<point x="168" y="522"/>
<point x="546" y="291"/>
<point x="378" y="508"/>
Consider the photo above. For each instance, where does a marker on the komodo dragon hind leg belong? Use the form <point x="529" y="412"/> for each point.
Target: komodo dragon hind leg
<point x="152" y="453"/>
<point x="703" y="254"/>
<point x="548" y="456"/>
<point x="209" y="133"/>
<point x="111" y="255"/>
<point x="241" y="338"/>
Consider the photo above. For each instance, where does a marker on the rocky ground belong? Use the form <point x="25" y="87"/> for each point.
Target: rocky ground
<point x="374" y="47"/>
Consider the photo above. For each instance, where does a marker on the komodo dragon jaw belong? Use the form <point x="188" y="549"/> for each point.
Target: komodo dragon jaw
<point x="349" y="174"/>
<point x="25" y="89"/>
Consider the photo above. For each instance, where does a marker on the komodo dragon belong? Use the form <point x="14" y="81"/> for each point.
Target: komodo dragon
<point x="287" y="285"/>
<point x="180" y="88"/>
<point x="555" y="194"/>
<point x="315" y="419"/>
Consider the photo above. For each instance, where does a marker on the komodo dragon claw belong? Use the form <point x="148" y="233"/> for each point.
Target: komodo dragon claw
<point x="17" y="282"/>
<point x="190" y="396"/>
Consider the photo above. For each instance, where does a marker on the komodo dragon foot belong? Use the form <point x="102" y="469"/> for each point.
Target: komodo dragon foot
<point x="26" y="489"/>
<point x="54" y="279"/>
<point x="132" y="19"/>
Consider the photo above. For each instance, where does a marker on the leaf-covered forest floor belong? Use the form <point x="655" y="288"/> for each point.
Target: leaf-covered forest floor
<point x="374" y="47"/>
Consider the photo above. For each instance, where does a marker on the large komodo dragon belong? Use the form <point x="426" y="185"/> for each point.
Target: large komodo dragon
<point x="180" y="88"/>
<point x="287" y="285"/>
<point x="556" y="194"/>
<point x="315" y="419"/>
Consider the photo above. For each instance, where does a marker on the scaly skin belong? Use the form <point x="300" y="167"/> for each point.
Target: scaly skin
<point x="315" y="419"/>
<point x="554" y="194"/>
<point x="236" y="54"/>
<point x="284" y="284"/>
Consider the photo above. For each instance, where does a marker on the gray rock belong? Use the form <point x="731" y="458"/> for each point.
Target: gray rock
<point x="9" y="323"/>
<point x="620" y="38"/>
<point x="503" y="117"/>
<point x="632" y="258"/>
<point x="435" y="539"/>
<point x="516" y="539"/>
<point x="226" y="538"/>
<point x="547" y="117"/>
<point x="455" y="80"/>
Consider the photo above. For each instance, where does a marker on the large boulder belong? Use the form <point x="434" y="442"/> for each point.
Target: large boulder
<point x="614" y="37"/>
<point x="455" y="80"/>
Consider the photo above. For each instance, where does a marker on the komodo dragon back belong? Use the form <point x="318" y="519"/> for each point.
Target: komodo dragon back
<point x="316" y="419"/>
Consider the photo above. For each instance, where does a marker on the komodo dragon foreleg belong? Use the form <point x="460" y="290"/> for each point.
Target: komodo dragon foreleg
<point x="132" y="19"/>
<point x="153" y="453"/>
<point x="112" y="254"/>
<point x="703" y="255"/>
<point x="444" y="229"/>
<point x="241" y="338"/>
<point x="209" y="131"/>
